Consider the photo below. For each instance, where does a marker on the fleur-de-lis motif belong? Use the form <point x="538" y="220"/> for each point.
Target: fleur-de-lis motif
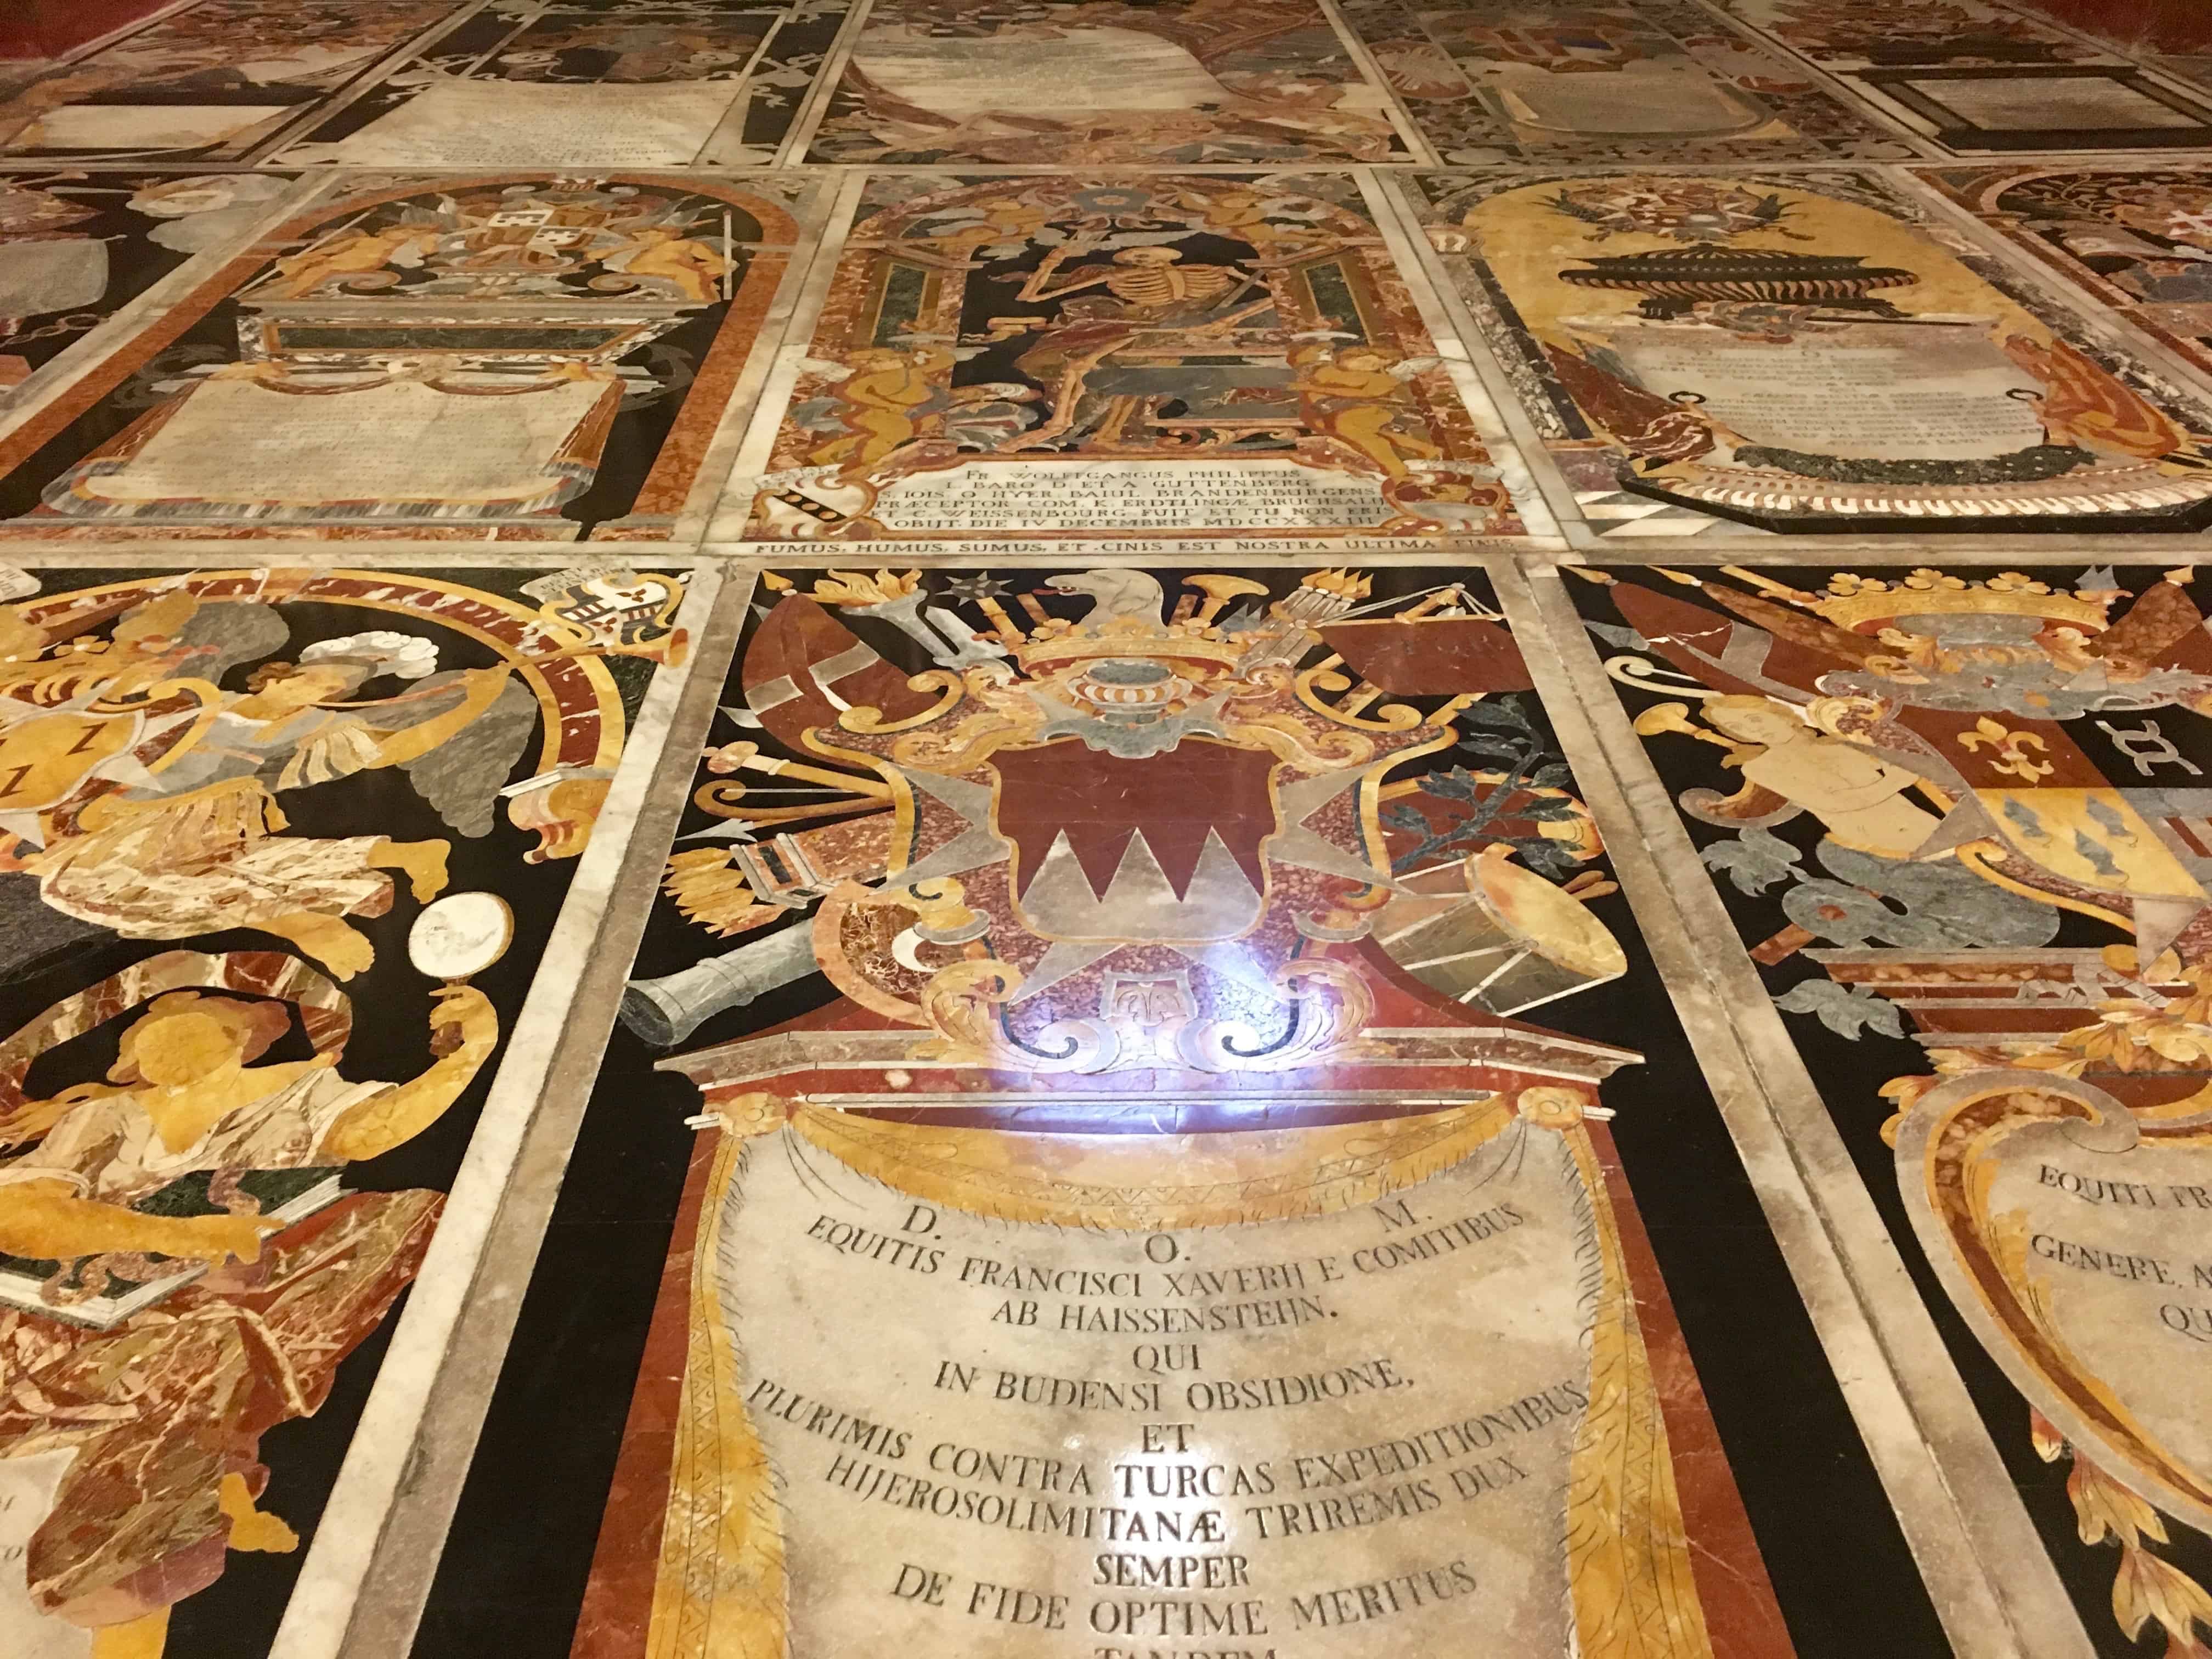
<point x="2013" y="746"/>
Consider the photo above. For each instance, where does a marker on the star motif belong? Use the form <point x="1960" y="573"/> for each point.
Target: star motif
<point x="975" y="589"/>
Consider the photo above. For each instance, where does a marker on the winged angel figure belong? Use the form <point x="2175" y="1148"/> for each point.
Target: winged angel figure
<point x="144" y="795"/>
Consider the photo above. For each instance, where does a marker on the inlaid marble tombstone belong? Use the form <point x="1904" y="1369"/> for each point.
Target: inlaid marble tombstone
<point x="588" y="83"/>
<point x="1026" y="357"/>
<point x="504" y="354"/>
<point x="1981" y="77"/>
<point x="1148" y="1174"/>
<point x="213" y="81"/>
<point x="1806" y="353"/>
<point x="1098" y="82"/>
<point x="2138" y="239"/>
<point x="1660" y="80"/>
<point x="1961" y="820"/>
<point x="281" y="851"/>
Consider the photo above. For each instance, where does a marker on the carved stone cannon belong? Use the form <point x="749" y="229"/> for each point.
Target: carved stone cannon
<point x="664" y="1012"/>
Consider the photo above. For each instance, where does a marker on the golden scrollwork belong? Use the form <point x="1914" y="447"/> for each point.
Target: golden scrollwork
<point x="962" y="1001"/>
<point x="2146" y="1588"/>
<point x="1149" y="1184"/>
<point x="1334" y="1006"/>
<point x="950" y="689"/>
<point x="1323" y="676"/>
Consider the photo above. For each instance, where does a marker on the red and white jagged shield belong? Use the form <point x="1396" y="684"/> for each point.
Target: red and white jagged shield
<point x="1164" y="848"/>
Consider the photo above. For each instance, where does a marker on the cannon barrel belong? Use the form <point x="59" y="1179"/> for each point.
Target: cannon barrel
<point x="664" y="1012"/>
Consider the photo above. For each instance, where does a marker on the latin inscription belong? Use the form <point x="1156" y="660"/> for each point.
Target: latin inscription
<point x="1009" y="1439"/>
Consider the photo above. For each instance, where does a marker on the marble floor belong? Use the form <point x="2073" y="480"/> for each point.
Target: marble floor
<point x="1105" y="830"/>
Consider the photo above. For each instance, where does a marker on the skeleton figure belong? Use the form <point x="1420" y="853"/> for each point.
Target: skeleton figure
<point x="1149" y="281"/>
<point x="1151" y="300"/>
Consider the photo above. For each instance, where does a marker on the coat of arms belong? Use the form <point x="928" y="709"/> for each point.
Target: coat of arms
<point x="1112" y="828"/>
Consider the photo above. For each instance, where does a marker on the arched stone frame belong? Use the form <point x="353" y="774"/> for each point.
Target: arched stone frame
<point x="664" y="492"/>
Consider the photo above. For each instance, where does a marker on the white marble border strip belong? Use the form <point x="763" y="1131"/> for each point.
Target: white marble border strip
<point x="159" y="553"/>
<point x="728" y="140"/>
<point x="1826" y="80"/>
<point x="396" y="1582"/>
<point x="796" y="290"/>
<point x="1994" y="1586"/>
<point x="732" y="505"/>
<point x="790" y="558"/>
<point x="1548" y="486"/>
<point x="383" y="1459"/>
<point x="1427" y="281"/>
<point x="1837" y="552"/>
<point x="1541" y="492"/>
<point x="807" y="119"/>
<point x="310" y="115"/>
<point x="1422" y="153"/>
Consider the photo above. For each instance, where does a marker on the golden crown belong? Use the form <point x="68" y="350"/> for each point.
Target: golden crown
<point x="1853" y="601"/>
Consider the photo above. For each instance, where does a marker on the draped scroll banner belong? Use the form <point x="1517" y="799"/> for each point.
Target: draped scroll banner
<point x="1370" y="1428"/>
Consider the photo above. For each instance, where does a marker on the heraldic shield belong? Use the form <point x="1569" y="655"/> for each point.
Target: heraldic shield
<point x="1113" y="836"/>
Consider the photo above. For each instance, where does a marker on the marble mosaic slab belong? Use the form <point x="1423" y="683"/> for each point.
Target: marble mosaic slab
<point x="212" y="82"/>
<point x="1031" y="1042"/>
<point x="1126" y="358"/>
<point x="1804" y="353"/>
<point x="1977" y="77"/>
<point x="589" y="83"/>
<point x="1103" y="84"/>
<point x="1117" y="1139"/>
<point x="283" y="851"/>
<point x="1658" y="80"/>
<point x="517" y="355"/>
<point x="2132" y="236"/>
<point x="1958" y="819"/>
